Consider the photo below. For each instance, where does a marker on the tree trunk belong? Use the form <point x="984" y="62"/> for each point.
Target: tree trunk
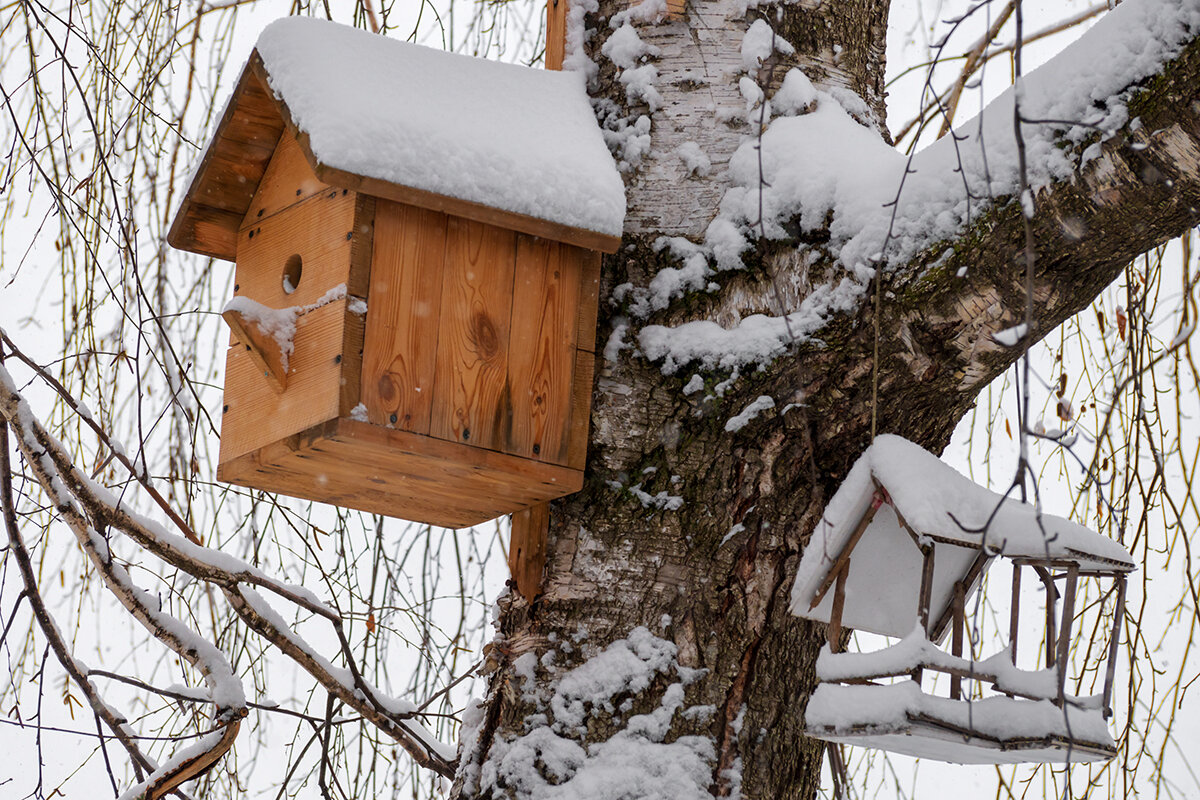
<point x="671" y="569"/>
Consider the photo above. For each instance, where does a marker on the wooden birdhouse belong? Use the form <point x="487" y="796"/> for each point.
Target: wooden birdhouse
<point x="900" y="550"/>
<point x="418" y="238"/>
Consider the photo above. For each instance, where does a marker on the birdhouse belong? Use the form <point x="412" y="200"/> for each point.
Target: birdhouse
<point x="900" y="550"/>
<point x="417" y="237"/>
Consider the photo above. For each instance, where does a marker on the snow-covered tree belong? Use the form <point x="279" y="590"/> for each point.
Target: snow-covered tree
<point x="790" y="285"/>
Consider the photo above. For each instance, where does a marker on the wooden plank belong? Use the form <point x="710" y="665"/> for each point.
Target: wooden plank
<point x="471" y="399"/>
<point x="925" y="593"/>
<point x="521" y="223"/>
<point x="256" y="415"/>
<point x="350" y="394"/>
<point x="262" y="347"/>
<point x="1110" y="669"/>
<point x="834" y="630"/>
<point x="844" y="556"/>
<point x="527" y="548"/>
<point x="206" y="231"/>
<point x="589" y="298"/>
<point x="556" y="33"/>
<point x="956" y="637"/>
<point x="541" y="351"/>
<point x="508" y="474"/>
<point x="1051" y="600"/>
<point x="581" y="410"/>
<point x="1064" y="637"/>
<point x="1015" y="613"/>
<point x="400" y="353"/>
<point x="287" y="180"/>
<point x="320" y="230"/>
<point x="246" y="133"/>
<point x="398" y="473"/>
<point x="362" y="246"/>
<point x="311" y="475"/>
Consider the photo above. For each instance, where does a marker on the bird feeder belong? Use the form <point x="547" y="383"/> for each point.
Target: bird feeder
<point x="417" y="237"/>
<point x="901" y="548"/>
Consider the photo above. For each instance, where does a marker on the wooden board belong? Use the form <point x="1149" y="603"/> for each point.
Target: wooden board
<point x="510" y="220"/>
<point x="470" y="399"/>
<point x="527" y="548"/>
<point x="589" y="297"/>
<point x="230" y="170"/>
<point x="541" y="360"/>
<point x="581" y="409"/>
<point x="556" y="33"/>
<point x="321" y="230"/>
<point x="400" y="474"/>
<point x="401" y="346"/>
<point x="256" y="415"/>
<point x="287" y="180"/>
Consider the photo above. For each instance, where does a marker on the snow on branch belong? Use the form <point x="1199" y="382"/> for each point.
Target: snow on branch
<point x="80" y="500"/>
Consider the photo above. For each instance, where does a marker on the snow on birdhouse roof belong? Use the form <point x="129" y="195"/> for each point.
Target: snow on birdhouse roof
<point x="939" y="503"/>
<point x="518" y="145"/>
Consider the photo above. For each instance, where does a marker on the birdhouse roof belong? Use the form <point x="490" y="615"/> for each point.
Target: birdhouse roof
<point x="506" y="144"/>
<point x="966" y="524"/>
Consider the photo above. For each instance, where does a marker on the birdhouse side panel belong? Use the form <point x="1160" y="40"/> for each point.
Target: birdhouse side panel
<point x="288" y="180"/>
<point x="256" y="414"/>
<point x="471" y="403"/>
<point x="542" y="348"/>
<point x="400" y="353"/>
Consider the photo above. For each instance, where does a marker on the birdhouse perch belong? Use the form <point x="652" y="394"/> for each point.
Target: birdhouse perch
<point x="417" y="237"/>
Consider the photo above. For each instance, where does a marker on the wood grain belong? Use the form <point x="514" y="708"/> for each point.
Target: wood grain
<point x="262" y="347"/>
<point x="401" y="346"/>
<point x="556" y="33"/>
<point x="229" y="172"/>
<point x="400" y="474"/>
<point x="256" y="415"/>
<point x="589" y="296"/>
<point x="527" y="548"/>
<point x="287" y="180"/>
<point x="541" y="360"/>
<point x="320" y="230"/>
<point x="521" y="223"/>
<point x="470" y="398"/>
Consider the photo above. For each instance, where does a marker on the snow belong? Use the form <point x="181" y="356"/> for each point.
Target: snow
<point x="759" y="43"/>
<point x="935" y="500"/>
<point x="846" y="713"/>
<point x="280" y="323"/>
<point x="749" y="413"/>
<point x="410" y="115"/>
<point x="915" y="650"/>
<point x="695" y="160"/>
<point x="851" y="186"/>
<point x="548" y="761"/>
<point x="1011" y="337"/>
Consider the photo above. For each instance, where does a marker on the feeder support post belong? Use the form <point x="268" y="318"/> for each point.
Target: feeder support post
<point x="1114" y="641"/>
<point x="1064" y="636"/>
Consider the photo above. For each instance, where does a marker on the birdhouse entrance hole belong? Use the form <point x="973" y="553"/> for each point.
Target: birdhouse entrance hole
<point x="293" y="270"/>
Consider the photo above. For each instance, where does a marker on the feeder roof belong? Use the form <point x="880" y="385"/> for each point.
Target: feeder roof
<point x="950" y="512"/>
<point x="506" y="144"/>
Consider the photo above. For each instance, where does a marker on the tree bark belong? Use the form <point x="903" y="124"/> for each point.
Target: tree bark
<point x="711" y="572"/>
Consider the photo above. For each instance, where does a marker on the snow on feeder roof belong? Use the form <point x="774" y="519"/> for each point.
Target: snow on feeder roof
<point x="501" y="143"/>
<point x="897" y="492"/>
